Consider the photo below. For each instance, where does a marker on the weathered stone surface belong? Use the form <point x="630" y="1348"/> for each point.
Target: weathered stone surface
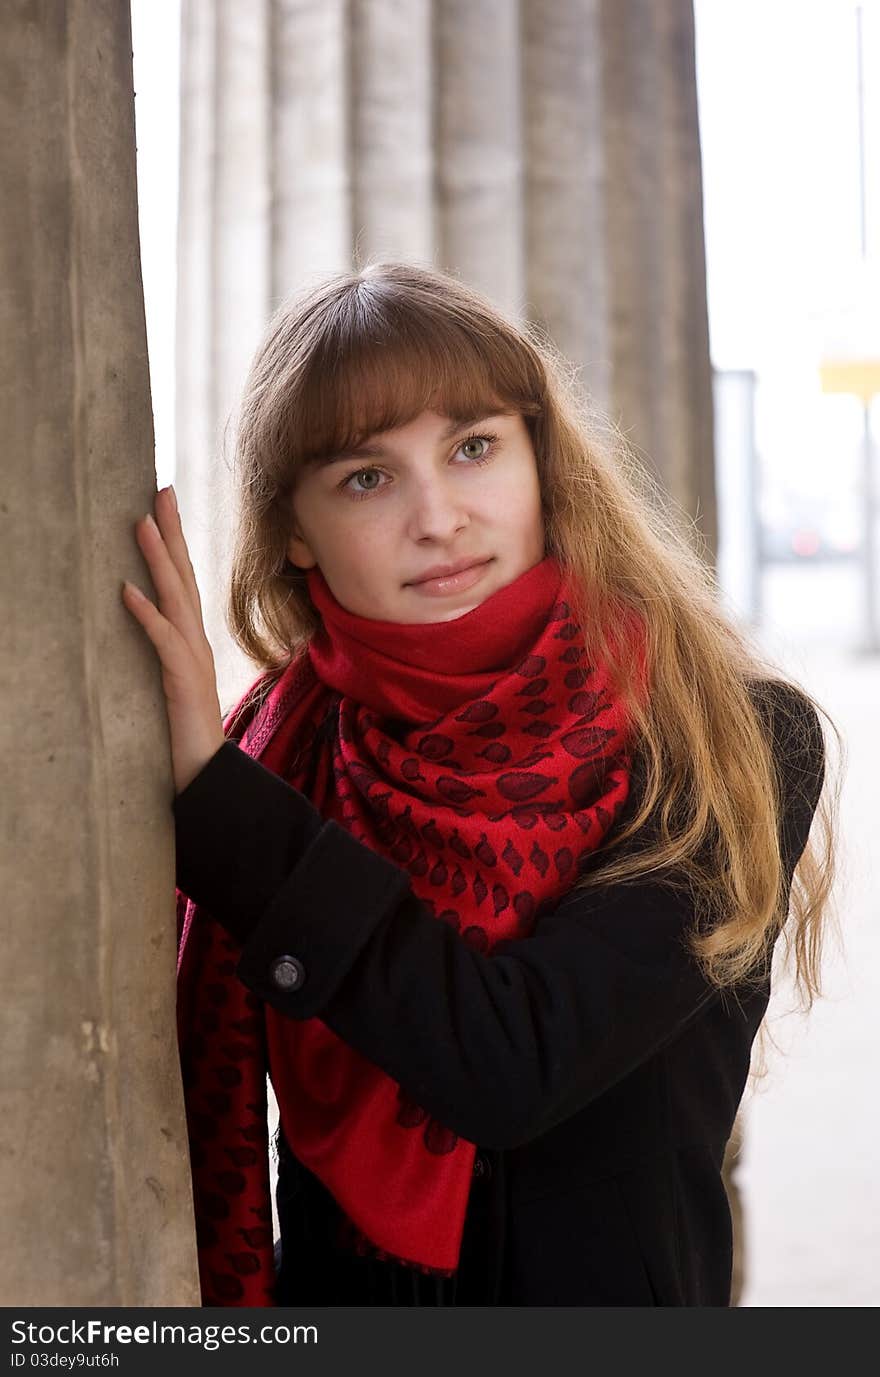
<point x="96" y="1203"/>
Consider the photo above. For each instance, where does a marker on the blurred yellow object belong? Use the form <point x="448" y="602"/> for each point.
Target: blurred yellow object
<point x="858" y="377"/>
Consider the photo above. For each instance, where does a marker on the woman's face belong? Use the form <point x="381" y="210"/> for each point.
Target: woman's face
<point x="378" y="520"/>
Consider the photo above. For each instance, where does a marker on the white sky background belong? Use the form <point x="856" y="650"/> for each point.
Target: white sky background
<point x="779" y="128"/>
<point x="777" y="85"/>
<point x="155" y="35"/>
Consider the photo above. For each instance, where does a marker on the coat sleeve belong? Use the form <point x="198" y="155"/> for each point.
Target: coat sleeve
<point x="498" y="1047"/>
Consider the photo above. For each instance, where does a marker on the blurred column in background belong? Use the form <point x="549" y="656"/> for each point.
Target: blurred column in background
<point x="615" y="257"/>
<point x="96" y="1204"/>
<point x="738" y="488"/>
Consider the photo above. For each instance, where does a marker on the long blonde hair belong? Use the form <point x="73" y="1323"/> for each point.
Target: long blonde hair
<point x="369" y="350"/>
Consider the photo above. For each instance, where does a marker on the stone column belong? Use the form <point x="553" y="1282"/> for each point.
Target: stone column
<point x="480" y="137"/>
<point x="224" y="272"/>
<point x="614" y="224"/>
<point x="96" y="1204"/>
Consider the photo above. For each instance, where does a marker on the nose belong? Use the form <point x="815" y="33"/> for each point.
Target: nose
<point x="437" y="511"/>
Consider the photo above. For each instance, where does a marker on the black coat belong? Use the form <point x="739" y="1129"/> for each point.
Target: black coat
<point x="593" y="1066"/>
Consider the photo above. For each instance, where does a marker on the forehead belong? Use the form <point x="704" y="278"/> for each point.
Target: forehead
<point x="376" y="376"/>
<point x="372" y="446"/>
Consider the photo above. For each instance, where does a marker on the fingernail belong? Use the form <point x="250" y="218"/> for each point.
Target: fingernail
<point x="173" y="495"/>
<point x="150" y="522"/>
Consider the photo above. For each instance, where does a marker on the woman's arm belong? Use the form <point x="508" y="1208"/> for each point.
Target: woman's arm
<point x="497" y="1046"/>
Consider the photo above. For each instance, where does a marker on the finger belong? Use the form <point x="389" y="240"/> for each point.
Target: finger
<point x="174" y="653"/>
<point x="175" y="600"/>
<point x="147" y="613"/>
<point x="171" y="528"/>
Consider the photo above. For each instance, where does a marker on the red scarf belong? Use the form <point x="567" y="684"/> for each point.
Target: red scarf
<point x="482" y="755"/>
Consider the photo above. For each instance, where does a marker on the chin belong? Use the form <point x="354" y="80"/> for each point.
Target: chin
<point x="454" y="613"/>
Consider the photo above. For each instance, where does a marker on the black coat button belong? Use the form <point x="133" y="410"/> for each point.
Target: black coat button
<point x="482" y="1166"/>
<point x="287" y="973"/>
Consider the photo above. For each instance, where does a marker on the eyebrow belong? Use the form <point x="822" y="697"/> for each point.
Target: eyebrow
<point x="374" y="451"/>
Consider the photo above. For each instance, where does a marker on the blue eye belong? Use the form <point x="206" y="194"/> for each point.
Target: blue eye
<point x="489" y="440"/>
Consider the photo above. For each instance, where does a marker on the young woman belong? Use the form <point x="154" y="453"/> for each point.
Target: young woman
<point x="488" y="866"/>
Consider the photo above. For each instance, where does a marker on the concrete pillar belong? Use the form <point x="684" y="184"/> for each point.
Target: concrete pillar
<point x="391" y="129"/>
<point x="311" y="203"/>
<point x="96" y="1207"/>
<point x="566" y="184"/>
<point x="479" y="153"/>
<point x="224" y="273"/>
<point x="614" y="224"/>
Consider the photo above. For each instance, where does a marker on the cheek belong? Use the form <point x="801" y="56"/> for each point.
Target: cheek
<point x="515" y="501"/>
<point x="342" y="525"/>
<point x="364" y="545"/>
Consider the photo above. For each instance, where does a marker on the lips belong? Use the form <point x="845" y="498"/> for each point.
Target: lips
<point x="452" y="585"/>
<point x="441" y="571"/>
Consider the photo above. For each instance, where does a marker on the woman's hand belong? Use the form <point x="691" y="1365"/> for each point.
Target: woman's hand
<point x="178" y="635"/>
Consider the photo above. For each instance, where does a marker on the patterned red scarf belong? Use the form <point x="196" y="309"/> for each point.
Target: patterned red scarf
<point x="484" y="756"/>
